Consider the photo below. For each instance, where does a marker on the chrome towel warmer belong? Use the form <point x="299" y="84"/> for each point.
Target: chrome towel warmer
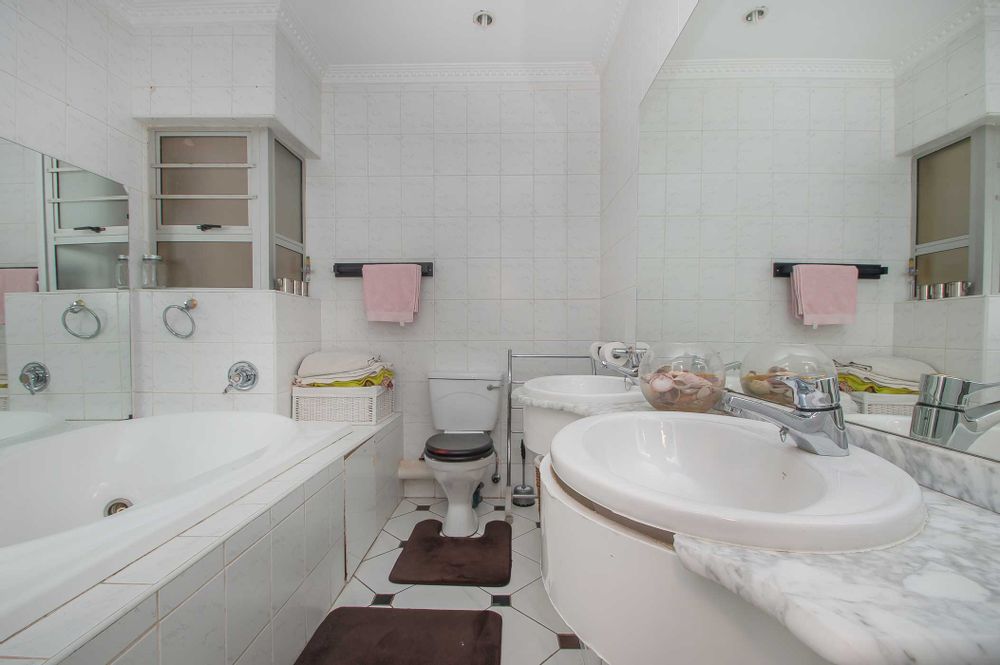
<point x="510" y="408"/>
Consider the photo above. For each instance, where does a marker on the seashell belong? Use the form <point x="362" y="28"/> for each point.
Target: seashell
<point x="759" y="387"/>
<point x="704" y="392"/>
<point x="661" y="383"/>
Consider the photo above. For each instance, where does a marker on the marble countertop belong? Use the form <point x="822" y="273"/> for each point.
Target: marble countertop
<point x="519" y="398"/>
<point x="933" y="599"/>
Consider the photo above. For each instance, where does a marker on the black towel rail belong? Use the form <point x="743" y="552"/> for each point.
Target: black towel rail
<point x="865" y="270"/>
<point x="354" y="269"/>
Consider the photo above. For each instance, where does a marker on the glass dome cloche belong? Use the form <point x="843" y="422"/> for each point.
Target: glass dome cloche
<point x="765" y="365"/>
<point x="682" y="376"/>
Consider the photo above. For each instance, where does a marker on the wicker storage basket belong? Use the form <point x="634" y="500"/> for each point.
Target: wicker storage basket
<point x="364" y="406"/>
<point x="889" y="405"/>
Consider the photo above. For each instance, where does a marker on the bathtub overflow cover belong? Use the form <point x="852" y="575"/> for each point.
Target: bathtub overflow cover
<point x="116" y="506"/>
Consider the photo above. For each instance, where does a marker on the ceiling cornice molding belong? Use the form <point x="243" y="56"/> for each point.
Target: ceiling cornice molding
<point x="611" y="34"/>
<point x="167" y="12"/>
<point x="959" y="22"/>
<point x="302" y="40"/>
<point x="461" y="73"/>
<point x="776" y="68"/>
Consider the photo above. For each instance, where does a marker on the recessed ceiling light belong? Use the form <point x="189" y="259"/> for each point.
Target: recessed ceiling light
<point x="483" y="19"/>
<point x="755" y="15"/>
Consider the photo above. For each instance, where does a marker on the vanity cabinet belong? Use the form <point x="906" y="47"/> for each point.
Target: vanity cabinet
<point x="373" y="489"/>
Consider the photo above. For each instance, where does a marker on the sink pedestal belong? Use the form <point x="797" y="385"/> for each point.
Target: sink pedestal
<point x="630" y="599"/>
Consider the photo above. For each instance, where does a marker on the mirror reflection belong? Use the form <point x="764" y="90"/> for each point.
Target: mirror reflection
<point x="864" y="162"/>
<point x="64" y="315"/>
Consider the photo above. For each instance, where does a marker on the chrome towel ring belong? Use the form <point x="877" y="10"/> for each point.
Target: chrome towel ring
<point x="79" y="307"/>
<point x="186" y="308"/>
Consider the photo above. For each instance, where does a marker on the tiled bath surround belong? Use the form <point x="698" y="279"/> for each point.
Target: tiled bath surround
<point x="91" y="379"/>
<point x="739" y="170"/>
<point x="272" y="330"/>
<point x="247" y="585"/>
<point x="498" y="184"/>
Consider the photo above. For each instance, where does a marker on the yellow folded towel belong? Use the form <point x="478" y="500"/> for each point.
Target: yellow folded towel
<point x="381" y="378"/>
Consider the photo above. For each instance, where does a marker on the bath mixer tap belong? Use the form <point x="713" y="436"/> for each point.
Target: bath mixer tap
<point x="954" y="412"/>
<point x="242" y="376"/>
<point x="815" y="423"/>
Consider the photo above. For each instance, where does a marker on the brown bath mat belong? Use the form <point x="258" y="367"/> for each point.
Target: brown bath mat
<point x="376" y="636"/>
<point x="430" y="558"/>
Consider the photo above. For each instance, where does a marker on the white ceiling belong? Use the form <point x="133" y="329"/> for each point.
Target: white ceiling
<point x="370" y="32"/>
<point x="801" y="29"/>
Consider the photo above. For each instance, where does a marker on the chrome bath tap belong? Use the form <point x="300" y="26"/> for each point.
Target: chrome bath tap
<point x="630" y="369"/>
<point x="954" y="412"/>
<point x="815" y="423"/>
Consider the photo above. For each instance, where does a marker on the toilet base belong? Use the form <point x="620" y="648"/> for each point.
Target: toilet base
<point x="459" y="481"/>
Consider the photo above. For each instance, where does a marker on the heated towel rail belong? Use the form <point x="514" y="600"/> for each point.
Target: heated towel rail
<point x="510" y="383"/>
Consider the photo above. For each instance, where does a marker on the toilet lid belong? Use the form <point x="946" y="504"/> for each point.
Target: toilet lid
<point x="459" y="447"/>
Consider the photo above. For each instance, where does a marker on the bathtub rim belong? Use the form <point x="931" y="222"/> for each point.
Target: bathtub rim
<point x="325" y="437"/>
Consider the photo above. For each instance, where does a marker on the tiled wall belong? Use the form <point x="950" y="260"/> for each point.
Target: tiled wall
<point x="20" y="191"/>
<point x="271" y="330"/>
<point x="297" y="97"/>
<point x="224" y="70"/>
<point x="90" y="378"/>
<point x="647" y="30"/>
<point x="737" y="173"/>
<point x="953" y="84"/>
<point x="498" y="184"/>
<point x="960" y="336"/>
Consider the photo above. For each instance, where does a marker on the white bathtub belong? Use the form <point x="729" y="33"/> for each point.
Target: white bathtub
<point x="55" y="541"/>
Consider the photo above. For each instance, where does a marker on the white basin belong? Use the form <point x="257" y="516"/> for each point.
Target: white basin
<point x="588" y="391"/>
<point x="735" y="481"/>
<point x="583" y="389"/>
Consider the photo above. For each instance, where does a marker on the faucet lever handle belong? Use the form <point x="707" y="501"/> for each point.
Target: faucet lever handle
<point x="813" y="394"/>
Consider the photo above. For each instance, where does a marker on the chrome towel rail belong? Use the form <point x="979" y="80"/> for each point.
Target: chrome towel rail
<point x="509" y="380"/>
<point x="79" y="307"/>
<point x="185" y="309"/>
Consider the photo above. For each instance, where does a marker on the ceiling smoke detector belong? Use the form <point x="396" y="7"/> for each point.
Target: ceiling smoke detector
<point x="755" y="15"/>
<point x="483" y="19"/>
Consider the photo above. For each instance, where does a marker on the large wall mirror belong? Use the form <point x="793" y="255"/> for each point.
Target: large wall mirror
<point x="797" y="133"/>
<point x="64" y="328"/>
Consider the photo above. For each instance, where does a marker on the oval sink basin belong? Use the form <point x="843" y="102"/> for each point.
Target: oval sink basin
<point x="584" y="389"/>
<point x="734" y="480"/>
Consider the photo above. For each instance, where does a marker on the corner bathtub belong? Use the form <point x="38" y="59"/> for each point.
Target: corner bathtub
<point x="55" y="541"/>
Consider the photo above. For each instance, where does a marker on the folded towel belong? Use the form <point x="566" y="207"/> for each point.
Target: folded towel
<point x="890" y="368"/>
<point x="16" y="280"/>
<point x="333" y="362"/>
<point x="344" y="376"/>
<point x="383" y="377"/>
<point x="825" y="294"/>
<point x="391" y="290"/>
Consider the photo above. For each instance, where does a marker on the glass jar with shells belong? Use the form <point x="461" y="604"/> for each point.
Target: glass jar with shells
<point x="765" y="364"/>
<point x="682" y="377"/>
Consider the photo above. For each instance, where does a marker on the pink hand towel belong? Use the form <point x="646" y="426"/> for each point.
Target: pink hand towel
<point x="392" y="291"/>
<point x="825" y="294"/>
<point x="16" y="280"/>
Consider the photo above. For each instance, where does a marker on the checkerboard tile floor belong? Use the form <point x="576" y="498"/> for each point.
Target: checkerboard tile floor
<point x="533" y="633"/>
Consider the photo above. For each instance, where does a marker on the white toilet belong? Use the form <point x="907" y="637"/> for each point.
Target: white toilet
<point x="465" y="405"/>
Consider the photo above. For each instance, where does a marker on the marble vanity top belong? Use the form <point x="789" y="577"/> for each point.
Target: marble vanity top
<point x="933" y="599"/>
<point x="519" y="398"/>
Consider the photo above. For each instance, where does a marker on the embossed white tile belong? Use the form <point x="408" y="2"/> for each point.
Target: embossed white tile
<point x="374" y="573"/>
<point x="46" y="637"/>
<point x="196" y="631"/>
<point x="534" y="602"/>
<point x="162" y="561"/>
<point x="248" y="597"/>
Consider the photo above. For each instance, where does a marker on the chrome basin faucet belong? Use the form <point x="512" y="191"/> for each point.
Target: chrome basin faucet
<point x="815" y="424"/>
<point x="954" y="412"/>
<point x="630" y="368"/>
